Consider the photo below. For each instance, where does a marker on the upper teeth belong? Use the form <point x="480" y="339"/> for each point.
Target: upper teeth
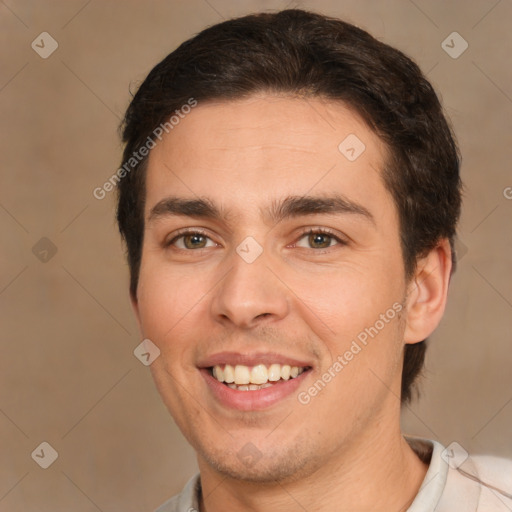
<point x="258" y="374"/>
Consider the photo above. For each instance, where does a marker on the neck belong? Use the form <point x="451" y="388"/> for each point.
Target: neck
<point x="378" y="471"/>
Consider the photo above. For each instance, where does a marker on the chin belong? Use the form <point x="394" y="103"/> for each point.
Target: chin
<point x="250" y="465"/>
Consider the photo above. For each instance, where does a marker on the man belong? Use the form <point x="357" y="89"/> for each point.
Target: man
<point x="289" y="208"/>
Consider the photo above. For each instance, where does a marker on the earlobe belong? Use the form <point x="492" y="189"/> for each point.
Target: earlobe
<point x="427" y="293"/>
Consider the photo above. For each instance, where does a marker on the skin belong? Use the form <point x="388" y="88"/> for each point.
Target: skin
<point x="344" y="449"/>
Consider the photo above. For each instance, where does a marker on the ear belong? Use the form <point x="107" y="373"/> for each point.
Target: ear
<point x="427" y="292"/>
<point x="135" y="307"/>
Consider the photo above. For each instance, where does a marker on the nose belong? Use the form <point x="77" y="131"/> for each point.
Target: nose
<point x="250" y="294"/>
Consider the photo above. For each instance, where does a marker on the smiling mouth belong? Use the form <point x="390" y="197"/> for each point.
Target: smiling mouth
<point x="253" y="378"/>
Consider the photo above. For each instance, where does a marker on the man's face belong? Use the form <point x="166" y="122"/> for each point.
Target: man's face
<point x="266" y="165"/>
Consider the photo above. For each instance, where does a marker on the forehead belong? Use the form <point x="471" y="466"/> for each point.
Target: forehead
<point x="253" y="150"/>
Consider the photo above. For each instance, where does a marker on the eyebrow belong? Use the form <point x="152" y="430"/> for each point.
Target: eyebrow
<point x="289" y="207"/>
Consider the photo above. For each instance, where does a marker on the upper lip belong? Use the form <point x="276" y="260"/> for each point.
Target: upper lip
<point x="250" y="359"/>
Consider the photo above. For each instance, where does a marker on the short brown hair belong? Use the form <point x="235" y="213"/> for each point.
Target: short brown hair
<point x="300" y="52"/>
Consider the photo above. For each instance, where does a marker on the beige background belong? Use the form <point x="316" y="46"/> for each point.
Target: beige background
<point x="67" y="369"/>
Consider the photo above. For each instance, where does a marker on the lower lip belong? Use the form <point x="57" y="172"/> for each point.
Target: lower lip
<point x="256" y="400"/>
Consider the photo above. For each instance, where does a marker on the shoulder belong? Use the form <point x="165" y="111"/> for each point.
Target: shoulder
<point x="496" y="469"/>
<point x="495" y="476"/>
<point x="482" y="480"/>
<point x="186" y="501"/>
<point x="456" y="480"/>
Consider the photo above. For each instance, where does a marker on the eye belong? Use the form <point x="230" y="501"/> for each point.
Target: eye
<point x="190" y="240"/>
<point x="319" y="239"/>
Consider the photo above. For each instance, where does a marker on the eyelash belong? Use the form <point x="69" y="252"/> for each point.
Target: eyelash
<point x="305" y="232"/>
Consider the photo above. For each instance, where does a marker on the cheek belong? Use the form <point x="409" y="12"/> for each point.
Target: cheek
<point x="348" y="299"/>
<point x="360" y="307"/>
<point x="169" y="301"/>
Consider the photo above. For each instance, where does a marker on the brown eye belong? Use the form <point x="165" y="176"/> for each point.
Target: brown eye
<point x="191" y="240"/>
<point x="317" y="239"/>
<point x="194" y="241"/>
